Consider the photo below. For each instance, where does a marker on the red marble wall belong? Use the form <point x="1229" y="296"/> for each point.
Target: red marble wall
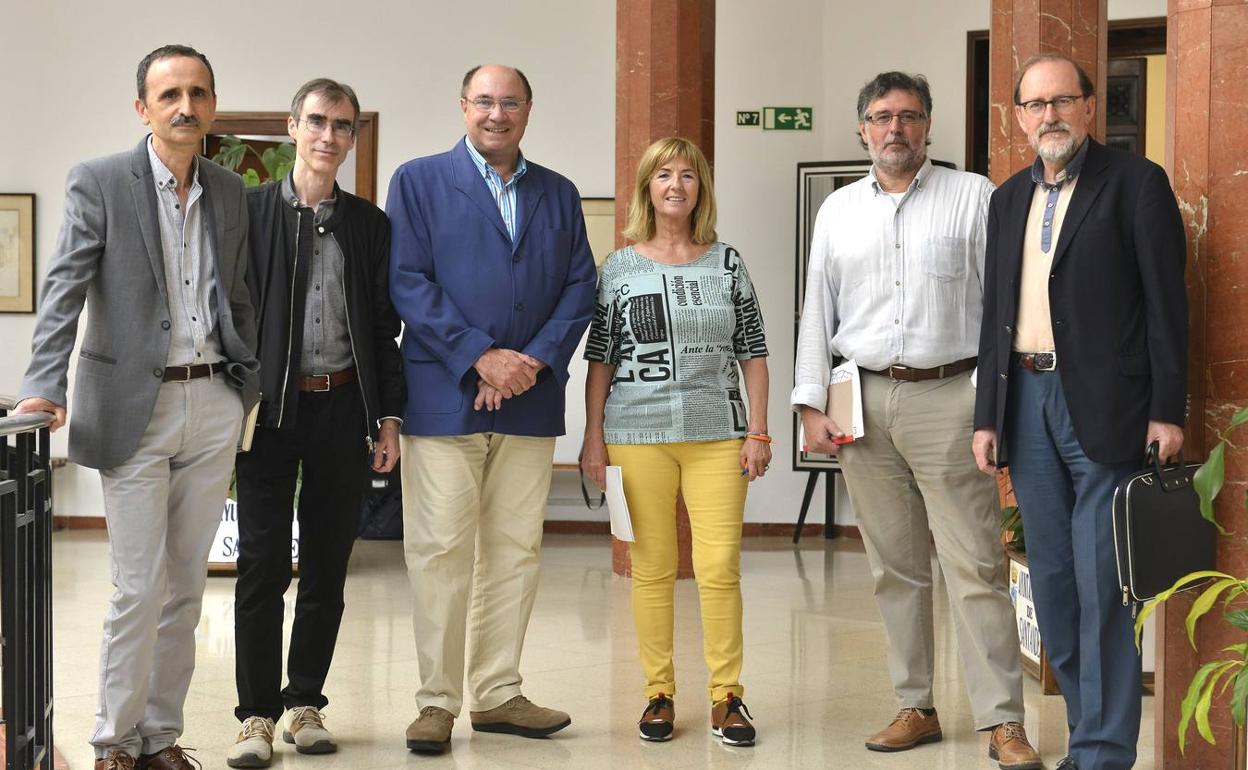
<point x="1021" y="29"/>
<point x="665" y="86"/>
<point x="1207" y="159"/>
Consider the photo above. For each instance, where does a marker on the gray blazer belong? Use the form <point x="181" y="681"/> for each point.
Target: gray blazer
<point x="109" y="255"/>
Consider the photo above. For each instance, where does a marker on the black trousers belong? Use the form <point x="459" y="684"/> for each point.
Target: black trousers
<point x="329" y="441"/>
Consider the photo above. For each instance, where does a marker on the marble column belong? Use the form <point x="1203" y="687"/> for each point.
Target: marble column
<point x="1020" y="30"/>
<point x="1207" y="160"/>
<point x="664" y="86"/>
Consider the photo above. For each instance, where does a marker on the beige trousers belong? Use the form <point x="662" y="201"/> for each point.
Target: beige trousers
<point x="913" y="472"/>
<point x="473" y="508"/>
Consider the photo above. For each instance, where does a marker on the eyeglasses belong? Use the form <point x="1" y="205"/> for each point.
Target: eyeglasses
<point x="1037" y="107"/>
<point x="486" y="104"/>
<point x="343" y="128"/>
<point x="907" y="118"/>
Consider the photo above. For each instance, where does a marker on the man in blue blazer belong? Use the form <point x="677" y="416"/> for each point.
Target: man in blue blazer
<point x="1082" y="364"/>
<point x="491" y="271"/>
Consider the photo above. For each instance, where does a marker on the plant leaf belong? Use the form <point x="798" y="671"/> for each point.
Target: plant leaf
<point x="1208" y="479"/>
<point x="251" y="178"/>
<point x="1242" y="649"/>
<point x="1152" y="604"/>
<point x="1238" y="618"/>
<point x="1221" y="667"/>
<point x="1203" y="603"/>
<point x="1188" y="707"/>
<point x="1239" y="697"/>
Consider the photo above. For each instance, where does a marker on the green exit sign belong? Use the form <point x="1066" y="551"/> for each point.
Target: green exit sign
<point x="747" y="118"/>
<point x="788" y="118"/>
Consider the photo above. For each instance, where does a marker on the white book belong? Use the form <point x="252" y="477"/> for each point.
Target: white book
<point x="617" y="505"/>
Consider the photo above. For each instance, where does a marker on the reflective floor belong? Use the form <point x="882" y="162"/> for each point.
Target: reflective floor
<point x="815" y="673"/>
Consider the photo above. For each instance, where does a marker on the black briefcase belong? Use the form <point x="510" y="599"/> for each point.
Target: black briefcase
<point x="1159" y="534"/>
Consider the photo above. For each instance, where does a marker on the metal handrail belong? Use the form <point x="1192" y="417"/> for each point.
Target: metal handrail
<point x="26" y="589"/>
<point x="21" y="423"/>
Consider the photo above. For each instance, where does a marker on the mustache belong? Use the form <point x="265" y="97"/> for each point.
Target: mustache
<point x="183" y="120"/>
<point x="1046" y="128"/>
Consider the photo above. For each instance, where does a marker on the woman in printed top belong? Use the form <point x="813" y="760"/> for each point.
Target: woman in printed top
<point x="676" y="316"/>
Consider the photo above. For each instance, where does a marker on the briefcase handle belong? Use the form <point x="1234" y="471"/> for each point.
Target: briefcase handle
<point x="1172" y="477"/>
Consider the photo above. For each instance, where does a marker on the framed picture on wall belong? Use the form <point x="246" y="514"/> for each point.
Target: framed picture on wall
<point x="17" y="252"/>
<point x="815" y="182"/>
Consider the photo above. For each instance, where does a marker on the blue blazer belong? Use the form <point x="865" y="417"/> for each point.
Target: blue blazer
<point x="462" y="287"/>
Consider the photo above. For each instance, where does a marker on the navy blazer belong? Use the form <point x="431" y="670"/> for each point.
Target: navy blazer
<point x="1117" y="303"/>
<point x="462" y="287"/>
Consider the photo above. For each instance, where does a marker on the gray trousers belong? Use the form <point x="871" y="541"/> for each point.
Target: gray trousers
<point x="910" y="473"/>
<point x="163" y="505"/>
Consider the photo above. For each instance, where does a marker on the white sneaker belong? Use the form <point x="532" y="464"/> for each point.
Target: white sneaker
<point x="305" y="727"/>
<point x="254" y="747"/>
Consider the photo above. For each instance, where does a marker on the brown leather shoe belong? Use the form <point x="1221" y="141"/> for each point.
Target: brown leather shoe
<point x="171" y="758"/>
<point x="520" y="716"/>
<point x="1008" y="745"/>
<point x="908" y="729"/>
<point x="116" y="760"/>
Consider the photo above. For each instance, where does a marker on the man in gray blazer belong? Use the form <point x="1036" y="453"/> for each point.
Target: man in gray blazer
<point x="153" y="240"/>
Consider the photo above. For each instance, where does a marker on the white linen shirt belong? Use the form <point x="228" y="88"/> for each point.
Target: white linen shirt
<point x="893" y="282"/>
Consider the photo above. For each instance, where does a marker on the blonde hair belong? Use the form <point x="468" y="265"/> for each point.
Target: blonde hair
<point x="641" y="225"/>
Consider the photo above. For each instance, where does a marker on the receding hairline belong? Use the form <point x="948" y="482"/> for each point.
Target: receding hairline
<point x="515" y="72"/>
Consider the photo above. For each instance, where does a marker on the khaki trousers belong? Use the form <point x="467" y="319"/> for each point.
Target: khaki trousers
<point x="473" y="508"/>
<point x="162" y="505"/>
<point x="913" y="472"/>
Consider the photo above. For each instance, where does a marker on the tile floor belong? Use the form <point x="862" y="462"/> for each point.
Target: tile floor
<point x="814" y="669"/>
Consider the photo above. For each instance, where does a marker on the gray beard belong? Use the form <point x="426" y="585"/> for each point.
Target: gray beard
<point x="909" y="161"/>
<point x="1057" y="153"/>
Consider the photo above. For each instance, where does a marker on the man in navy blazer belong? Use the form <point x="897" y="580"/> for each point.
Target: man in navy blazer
<point x="1082" y="364"/>
<point x="492" y="274"/>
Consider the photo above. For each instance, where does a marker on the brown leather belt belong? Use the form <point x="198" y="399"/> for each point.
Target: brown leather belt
<point x="1038" y="362"/>
<point x="909" y="374"/>
<point x="319" y="383"/>
<point x="192" y="372"/>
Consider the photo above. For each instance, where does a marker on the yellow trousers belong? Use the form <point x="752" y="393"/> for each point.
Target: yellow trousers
<point x="709" y="475"/>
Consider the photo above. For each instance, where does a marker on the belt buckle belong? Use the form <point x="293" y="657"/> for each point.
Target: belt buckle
<point x="316" y="389"/>
<point x="1044" y="362"/>
<point x="185" y="370"/>
<point x="899" y="368"/>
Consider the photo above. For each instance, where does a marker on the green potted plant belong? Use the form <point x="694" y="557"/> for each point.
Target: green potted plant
<point x="277" y="161"/>
<point x="1226" y="591"/>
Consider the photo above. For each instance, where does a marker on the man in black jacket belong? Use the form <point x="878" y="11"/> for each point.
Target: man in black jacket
<point x="332" y="385"/>
<point x="1082" y="364"/>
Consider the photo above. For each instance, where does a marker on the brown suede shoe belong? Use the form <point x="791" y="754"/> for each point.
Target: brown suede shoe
<point x="430" y="733"/>
<point x="172" y="758"/>
<point x="908" y="729"/>
<point x="520" y="716"/>
<point x="656" y="721"/>
<point x="116" y="760"/>
<point x="1008" y="745"/>
<point x="730" y="722"/>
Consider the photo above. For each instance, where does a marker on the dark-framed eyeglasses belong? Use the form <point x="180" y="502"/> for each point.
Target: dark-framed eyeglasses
<point x="1063" y="104"/>
<point x="907" y="118"/>
<point x="486" y="104"/>
<point x="343" y="128"/>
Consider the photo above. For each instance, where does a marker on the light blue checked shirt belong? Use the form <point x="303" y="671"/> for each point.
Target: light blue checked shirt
<point x="504" y="192"/>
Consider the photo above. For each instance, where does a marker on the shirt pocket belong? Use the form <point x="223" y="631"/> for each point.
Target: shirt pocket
<point x="945" y="258"/>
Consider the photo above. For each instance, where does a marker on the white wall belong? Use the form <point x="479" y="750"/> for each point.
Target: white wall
<point x="71" y="67"/>
<point x="74" y="65"/>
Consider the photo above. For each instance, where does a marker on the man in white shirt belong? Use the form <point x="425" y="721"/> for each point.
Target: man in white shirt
<point x="895" y="282"/>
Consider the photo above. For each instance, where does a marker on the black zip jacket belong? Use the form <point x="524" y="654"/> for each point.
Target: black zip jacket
<point x="280" y="243"/>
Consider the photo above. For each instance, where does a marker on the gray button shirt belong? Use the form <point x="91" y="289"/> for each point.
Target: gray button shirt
<point x="190" y="268"/>
<point x="326" y="336"/>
